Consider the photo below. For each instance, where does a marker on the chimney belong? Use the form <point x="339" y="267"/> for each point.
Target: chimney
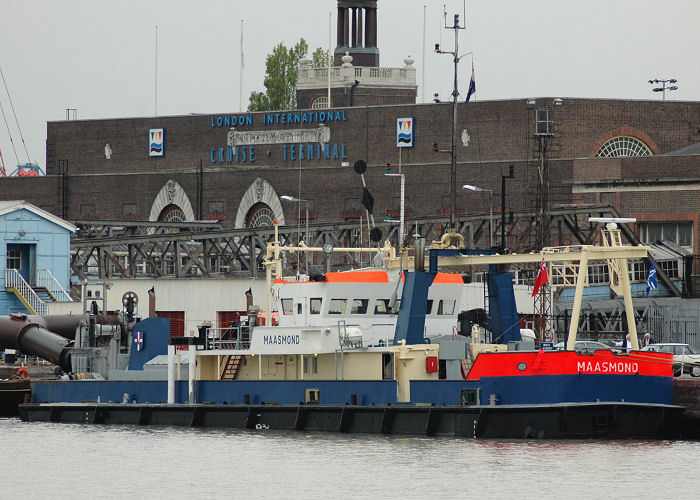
<point x="152" y="302"/>
<point x="248" y="299"/>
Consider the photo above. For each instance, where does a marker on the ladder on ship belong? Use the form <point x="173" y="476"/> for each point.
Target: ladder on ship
<point x="231" y="367"/>
<point x="487" y="307"/>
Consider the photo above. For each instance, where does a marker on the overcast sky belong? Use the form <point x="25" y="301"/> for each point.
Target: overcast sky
<point x="99" y="56"/>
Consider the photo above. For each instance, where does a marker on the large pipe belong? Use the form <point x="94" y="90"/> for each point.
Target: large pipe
<point x="10" y="326"/>
<point x="43" y="336"/>
<point x="35" y="340"/>
<point x="64" y="325"/>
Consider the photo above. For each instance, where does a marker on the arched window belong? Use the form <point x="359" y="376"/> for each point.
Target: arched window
<point x="623" y="145"/>
<point x="172" y="213"/>
<point x="320" y="102"/>
<point x="260" y="215"/>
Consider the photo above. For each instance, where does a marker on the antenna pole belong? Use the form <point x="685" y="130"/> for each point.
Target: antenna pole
<point x="155" y="90"/>
<point x="240" y="75"/>
<point x="330" y="54"/>
<point x="455" y="94"/>
<point x="422" y="90"/>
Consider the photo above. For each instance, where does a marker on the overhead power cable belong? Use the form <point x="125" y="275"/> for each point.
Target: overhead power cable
<point x="16" y="120"/>
<point x="12" y="142"/>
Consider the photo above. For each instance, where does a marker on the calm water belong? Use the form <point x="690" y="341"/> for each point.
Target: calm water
<point x="75" y="461"/>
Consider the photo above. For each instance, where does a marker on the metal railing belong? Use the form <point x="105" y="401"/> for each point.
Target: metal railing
<point x="13" y="279"/>
<point x="232" y="337"/>
<point x="344" y="74"/>
<point x="45" y="279"/>
<point x="669" y="324"/>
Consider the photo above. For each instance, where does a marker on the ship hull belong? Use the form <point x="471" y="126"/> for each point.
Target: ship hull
<point x="12" y="393"/>
<point x="557" y="421"/>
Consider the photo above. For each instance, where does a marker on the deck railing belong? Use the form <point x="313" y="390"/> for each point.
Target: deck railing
<point x="232" y="337"/>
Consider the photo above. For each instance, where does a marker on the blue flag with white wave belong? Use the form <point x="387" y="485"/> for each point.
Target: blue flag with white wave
<point x="651" y="279"/>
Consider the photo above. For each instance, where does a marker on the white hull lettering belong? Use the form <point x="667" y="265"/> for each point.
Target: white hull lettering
<point x="621" y="367"/>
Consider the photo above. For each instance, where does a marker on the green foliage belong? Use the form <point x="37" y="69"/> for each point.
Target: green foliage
<point x="281" y="69"/>
<point x="319" y="59"/>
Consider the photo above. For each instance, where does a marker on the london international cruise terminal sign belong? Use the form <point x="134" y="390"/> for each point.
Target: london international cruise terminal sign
<point x="297" y="144"/>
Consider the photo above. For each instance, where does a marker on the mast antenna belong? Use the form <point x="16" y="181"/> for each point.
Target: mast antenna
<point x="455" y="94"/>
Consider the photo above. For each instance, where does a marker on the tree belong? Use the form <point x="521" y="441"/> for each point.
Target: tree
<point x="281" y="69"/>
<point x="319" y="59"/>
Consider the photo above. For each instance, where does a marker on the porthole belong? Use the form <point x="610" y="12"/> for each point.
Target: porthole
<point x="522" y="366"/>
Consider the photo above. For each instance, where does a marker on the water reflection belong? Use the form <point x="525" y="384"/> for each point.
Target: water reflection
<point x="82" y="461"/>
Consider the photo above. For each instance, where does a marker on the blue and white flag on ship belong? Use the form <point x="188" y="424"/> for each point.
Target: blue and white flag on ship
<point x="651" y="280"/>
<point x="472" y="85"/>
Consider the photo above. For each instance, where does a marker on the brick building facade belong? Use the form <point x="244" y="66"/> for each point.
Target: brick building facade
<point x="101" y="169"/>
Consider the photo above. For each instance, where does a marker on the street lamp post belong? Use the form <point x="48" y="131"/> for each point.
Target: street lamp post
<point x="469" y="187"/>
<point x="663" y="87"/>
<point x="503" y="206"/>
<point x="306" y="238"/>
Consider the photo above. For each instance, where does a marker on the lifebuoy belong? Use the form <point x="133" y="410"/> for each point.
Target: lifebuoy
<point x="22" y="372"/>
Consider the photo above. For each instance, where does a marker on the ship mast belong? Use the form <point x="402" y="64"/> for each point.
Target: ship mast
<point x="455" y="93"/>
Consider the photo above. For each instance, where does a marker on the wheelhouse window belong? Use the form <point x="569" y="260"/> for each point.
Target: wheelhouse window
<point x="337" y="306"/>
<point x="287" y="306"/>
<point x="429" y="306"/>
<point x="315" y="305"/>
<point x="381" y="306"/>
<point x="359" y="306"/>
<point x="446" y="307"/>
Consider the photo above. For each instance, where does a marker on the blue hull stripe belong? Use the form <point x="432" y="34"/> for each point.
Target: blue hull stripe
<point x="543" y="389"/>
<point x="219" y="392"/>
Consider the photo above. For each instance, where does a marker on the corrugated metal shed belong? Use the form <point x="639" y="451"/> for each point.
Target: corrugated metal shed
<point x="693" y="149"/>
<point x="668" y="250"/>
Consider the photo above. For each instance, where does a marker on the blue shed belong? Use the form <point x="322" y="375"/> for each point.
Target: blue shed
<point x="34" y="258"/>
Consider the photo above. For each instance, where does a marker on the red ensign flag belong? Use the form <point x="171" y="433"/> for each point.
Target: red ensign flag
<point x="542" y="277"/>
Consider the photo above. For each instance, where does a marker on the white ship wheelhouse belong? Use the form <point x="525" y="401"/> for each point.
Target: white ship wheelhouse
<point x="367" y="299"/>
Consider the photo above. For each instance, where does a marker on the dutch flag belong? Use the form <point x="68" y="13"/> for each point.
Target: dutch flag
<point x="472" y="85"/>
